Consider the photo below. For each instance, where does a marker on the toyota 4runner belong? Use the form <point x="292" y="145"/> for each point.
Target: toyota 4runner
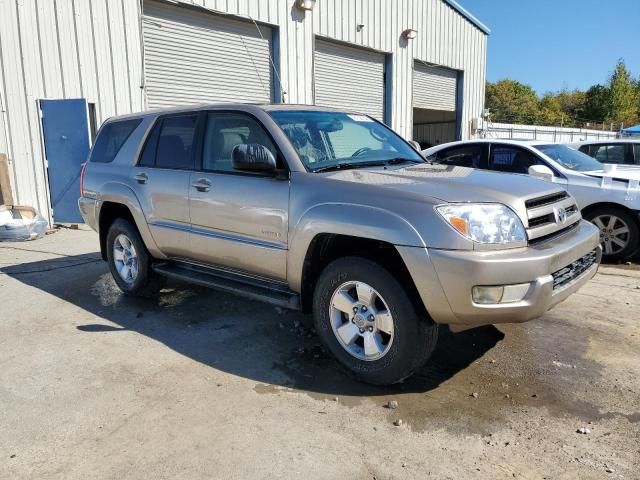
<point x="331" y="213"/>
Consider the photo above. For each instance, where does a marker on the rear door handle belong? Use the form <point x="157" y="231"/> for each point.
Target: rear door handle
<point x="202" y="185"/>
<point x="141" y="177"/>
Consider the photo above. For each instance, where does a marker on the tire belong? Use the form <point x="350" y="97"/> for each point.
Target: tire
<point x="145" y="282"/>
<point x="399" y="354"/>
<point x="611" y="251"/>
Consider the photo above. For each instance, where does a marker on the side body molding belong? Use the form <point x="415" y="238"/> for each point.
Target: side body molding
<point x="345" y="219"/>
<point x="120" y="193"/>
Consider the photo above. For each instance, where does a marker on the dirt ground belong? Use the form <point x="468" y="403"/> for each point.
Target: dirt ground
<point x="198" y="385"/>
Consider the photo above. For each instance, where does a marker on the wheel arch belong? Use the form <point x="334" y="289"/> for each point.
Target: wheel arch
<point x="611" y="205"/>
<point x="327" y="247"/>
<point x="119" y="201"/>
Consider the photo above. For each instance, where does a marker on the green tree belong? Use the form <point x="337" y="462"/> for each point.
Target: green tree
<point x="624" y="96"/>
<point x="512" y="102"/>
<point x="596" y="106"/>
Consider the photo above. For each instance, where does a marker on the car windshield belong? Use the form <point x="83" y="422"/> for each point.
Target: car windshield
<point x="336" y="140"/>
<point x="570" y="158"/>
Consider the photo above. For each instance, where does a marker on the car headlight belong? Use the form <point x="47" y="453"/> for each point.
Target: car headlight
<point x="487" y="223"/>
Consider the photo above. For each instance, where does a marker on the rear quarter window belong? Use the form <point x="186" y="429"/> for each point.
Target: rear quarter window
<point x="111" y="138"/>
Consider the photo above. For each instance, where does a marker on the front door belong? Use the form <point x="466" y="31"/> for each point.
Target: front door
<point x="239" y="220"/>
<point x="65" y="131"/>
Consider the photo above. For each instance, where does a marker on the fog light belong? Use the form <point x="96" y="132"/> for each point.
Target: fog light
<point x="514" y="293"/>
<point x="499" y="293"/>
<point x="487" y="295"/>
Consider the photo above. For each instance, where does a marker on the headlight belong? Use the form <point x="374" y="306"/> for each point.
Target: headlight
<point x="490" y="223"/>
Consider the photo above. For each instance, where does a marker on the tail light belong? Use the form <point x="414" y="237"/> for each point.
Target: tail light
<point x="82" y="172"/>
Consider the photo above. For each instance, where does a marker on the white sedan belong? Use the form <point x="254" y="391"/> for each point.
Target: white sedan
<point x="609" y="198"/>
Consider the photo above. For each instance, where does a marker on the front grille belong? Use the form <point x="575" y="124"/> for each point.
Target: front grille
<point x="573" y="270"/>
<point x="543" y="220"/>
<point x="553" y="235"/>
<point x="546" y="200"/>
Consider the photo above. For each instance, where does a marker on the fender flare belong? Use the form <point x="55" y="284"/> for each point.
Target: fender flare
<point x="354" y="220"/>
<point x="124" y="195"/>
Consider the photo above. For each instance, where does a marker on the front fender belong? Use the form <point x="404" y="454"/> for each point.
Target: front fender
<point x="361" y="221"/>
<point x="122" y="194"/>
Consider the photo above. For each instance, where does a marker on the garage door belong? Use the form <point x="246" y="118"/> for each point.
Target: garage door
<point x="434" y="88"/>
<point x="349" y="78"/>
<point x="195" y="57"/>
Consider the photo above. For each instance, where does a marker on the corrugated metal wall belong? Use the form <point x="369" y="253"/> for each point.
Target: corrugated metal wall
<point x="63" y="49"/>
<point x="92" y="49"/>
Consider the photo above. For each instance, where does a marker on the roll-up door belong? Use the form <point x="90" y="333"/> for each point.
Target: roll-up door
<point x="434" y="88"/>
<point x="349" y="78"/>
<point x="195" y="57"/>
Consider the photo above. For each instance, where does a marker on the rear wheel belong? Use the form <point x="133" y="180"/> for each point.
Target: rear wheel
<point x="129" y="261"/>
<point x="367" y="320"/>
<point x="619" y="233"/>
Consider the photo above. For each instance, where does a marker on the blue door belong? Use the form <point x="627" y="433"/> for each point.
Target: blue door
<point x="65" y="128"/>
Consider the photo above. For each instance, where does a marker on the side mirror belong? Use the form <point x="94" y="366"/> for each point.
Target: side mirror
<point x="415" y="145"/>
<point x="253" y="157"/>
<point x="541" y="171"/>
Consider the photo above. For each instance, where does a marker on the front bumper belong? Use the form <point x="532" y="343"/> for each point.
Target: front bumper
<point x="445" y="278"/>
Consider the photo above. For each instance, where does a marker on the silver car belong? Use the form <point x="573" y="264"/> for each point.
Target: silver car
<point x="332" y="213"/>
<point x="608" y="196"/>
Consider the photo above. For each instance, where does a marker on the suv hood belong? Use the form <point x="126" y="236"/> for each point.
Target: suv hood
<point x="451" y="184"/>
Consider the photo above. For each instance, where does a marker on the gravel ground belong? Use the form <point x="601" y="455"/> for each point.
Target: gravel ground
<point x="197" y="384"/>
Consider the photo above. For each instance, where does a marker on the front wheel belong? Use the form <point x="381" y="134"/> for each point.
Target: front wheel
<point x="367" y="320"/>
<point x="619" y="233"/>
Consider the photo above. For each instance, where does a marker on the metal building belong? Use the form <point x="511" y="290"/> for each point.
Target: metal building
<point x="418" y="65"/>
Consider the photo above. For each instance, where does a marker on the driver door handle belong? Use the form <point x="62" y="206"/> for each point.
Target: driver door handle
<point x="202" y="185"/>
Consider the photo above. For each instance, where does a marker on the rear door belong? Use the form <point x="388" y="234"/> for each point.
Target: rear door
<point x="239" y="219"/>
<point x="162" y="180"/>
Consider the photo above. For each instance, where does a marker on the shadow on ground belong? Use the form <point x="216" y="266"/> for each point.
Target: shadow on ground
<point x="241" y="337"/>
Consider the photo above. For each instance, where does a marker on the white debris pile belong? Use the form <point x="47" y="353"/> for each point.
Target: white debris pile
<point x="18" y="224"/>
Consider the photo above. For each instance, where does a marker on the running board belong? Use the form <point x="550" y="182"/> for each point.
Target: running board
<point x="245" y="286"/>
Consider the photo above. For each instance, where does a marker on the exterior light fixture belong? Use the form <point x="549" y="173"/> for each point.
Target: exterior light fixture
<point x="306" y="4"/>
<point x="410" y="33"/>
<point x="359" y="27"/>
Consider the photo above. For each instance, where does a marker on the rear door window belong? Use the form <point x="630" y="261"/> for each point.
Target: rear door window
<point x="461" y="156"/>
<point x="507" y="158"/>
<point x="111" y="139"/>
<point x="171" y="143"/>
<point x="609" y="153"/>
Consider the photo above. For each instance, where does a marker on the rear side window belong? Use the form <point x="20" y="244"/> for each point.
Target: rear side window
<point x="636" y="152"/>
<point x="171" y="143"/>
<point x="111" y="138"/>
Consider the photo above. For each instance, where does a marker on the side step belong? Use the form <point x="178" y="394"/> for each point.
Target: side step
<point x="245" y="286"/>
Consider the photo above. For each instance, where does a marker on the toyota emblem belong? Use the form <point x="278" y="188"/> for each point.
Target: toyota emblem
<point x="561" y="215"/>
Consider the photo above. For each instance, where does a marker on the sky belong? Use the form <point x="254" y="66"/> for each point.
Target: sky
<point x="555" y="44"/>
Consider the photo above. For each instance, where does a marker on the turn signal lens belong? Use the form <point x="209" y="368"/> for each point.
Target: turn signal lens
<point x="460" y="224"/>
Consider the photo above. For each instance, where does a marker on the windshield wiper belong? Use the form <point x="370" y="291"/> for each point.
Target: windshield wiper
<point x="373" y="163"/>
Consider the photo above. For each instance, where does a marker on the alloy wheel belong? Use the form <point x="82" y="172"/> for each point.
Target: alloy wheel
<point x="125" y="259"/>
<point x="614" y="233"/>
<point x="361" y="321"/>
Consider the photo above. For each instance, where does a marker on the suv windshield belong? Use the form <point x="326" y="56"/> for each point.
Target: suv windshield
<point x="334" y="140"/>
<point x="569" y="158"/>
